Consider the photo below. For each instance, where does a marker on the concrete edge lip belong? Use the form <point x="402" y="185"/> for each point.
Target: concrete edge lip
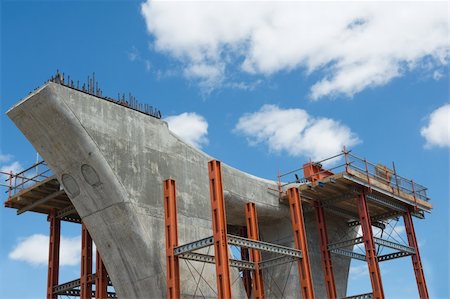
<point x="26" y="98"/>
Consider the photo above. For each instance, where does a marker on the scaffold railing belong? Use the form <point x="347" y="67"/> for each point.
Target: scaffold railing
<point x="347" y="162"/>
<point x="16" y="182"/>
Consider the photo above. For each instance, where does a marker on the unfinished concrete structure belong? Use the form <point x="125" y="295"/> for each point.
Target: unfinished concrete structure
<point x="111" y="162"/>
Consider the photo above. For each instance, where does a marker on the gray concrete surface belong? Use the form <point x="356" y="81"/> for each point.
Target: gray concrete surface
<point x="112" y="161"/>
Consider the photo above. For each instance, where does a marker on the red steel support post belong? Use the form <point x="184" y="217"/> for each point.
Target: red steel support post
<point x="53" y="254"/>
<point x="170" y="218"/>
<point x="298" y="226"/>
<point x="255" y="255"/>
<point x="326" y="255"/>
<point x="219" y="224"/>
<point x="369" y="244"/>
<point x="86" y="264"/>
<point x="101" y="278"/>
<point x="417" y="263"/>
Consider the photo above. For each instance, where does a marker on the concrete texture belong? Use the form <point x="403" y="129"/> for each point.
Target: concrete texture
<point x="112" y="161"/>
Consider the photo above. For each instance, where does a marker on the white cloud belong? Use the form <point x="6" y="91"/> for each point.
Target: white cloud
<point x="295" y="132"/>
<point x="358" y="271"/>
<point x="5" y="158"/>
<point x="191" y="127"/>
<point x="34" y="250"/>
<point x="351" y="46"/>
<point x="15" y="167"/>
<point x="437" y="131"/>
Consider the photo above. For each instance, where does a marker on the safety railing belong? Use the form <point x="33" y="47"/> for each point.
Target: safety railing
<point x="346" y="161"/>
<point x="16" y="182"/>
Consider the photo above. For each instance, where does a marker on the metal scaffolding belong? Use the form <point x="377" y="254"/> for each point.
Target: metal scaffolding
<point x="221" y="240"/>
<point x="37" y="190"/>
<point x="362" y="188"/>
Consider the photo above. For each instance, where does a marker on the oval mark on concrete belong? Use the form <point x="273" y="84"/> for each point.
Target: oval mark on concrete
<point x="70" y="185"/>
<point x="90" y="175"/>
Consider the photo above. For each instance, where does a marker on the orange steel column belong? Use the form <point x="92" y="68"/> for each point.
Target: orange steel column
<point x="86" y="264"/>
<point x="298" y="226"/>
<point x="326" y="255"/>
<point x="371" y="255"/>
<point x="53" y="254"/>
<point x="255" y="255"/>
<point x="219" y="224"/>
<point x="170" y="219"/>
<point x="417" y="263"/>
<point x="101" y="278"/>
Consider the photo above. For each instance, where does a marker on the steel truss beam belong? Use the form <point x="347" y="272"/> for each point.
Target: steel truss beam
<point x="219" y="225"/>
<point x="380" y="225"/>
<point x="241" y="242"/>
<point x="385" y="202"/>
<point x="301" y="243"/>
<point x="263" y="246"/>
<point x="361" y="296"/>
<point x="76" y="293"/>
<point x="255" y="255"/>
<point x="71" y="285"/>
<point x="348" y="253"/>
<point x="195" y="245"/>
<point x="273" y="262"/>
<point x="199" y="257"/>
<point x="394" y="245"/>
<point x="345" y="243"/>
<point x="171" y="229"/>
<point x="392" y="256"/>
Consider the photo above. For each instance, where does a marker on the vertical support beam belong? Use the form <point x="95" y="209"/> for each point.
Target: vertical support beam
<point x="255" y="255"/>
<point x="246" y="274"/>
<point x="417" y="263"/>
<point x="101" y="278"/>
<point x="53" y="254"/>
<point x="171" y="224"/>
<point x="298" y="226"/>
<point x="86" y="264"/>
<point x="219" y="224"/>
<point x="369" y="244"/>
<point x="326" y="255"/>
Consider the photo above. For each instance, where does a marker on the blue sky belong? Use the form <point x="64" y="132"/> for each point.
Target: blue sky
<point x="371" y="76"/>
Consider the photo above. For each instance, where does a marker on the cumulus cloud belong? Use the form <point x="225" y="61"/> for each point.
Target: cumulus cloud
<point x="191" y="127"/>
<point x="7" y="165"/>
<point x="34" y="250"/>
<point x="295" y="132"/>
<point x="437" y="131"/>
<point x="351" y="46"/>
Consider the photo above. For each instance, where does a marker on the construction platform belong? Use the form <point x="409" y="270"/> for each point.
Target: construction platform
<point x="362" y="193"/>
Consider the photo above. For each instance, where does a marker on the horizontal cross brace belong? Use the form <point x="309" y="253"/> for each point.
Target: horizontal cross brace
<point x="345" y="243"/>
<point x="263" y="246"/>
<point x="361" y="296"/>
<point x="71" y="285"/>
<point x="380" y="225"/>
<point x="349" y="253"/>
<point x="392" y="256"/>
<point x="385" y="202"/>
<point x="394" y="245"/>
<point x="76" y="293"/>
<point x="211" y="260"/>
<point x="277" y="261"/>
<point x="202" y="243"/>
